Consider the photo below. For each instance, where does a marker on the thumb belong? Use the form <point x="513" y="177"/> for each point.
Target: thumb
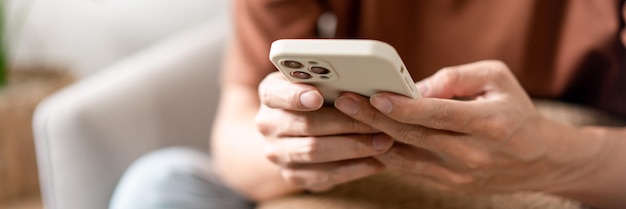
<point x="467" y="80"/>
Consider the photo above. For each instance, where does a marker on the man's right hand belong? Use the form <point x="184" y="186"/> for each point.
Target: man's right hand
<point x="316" y="146"/>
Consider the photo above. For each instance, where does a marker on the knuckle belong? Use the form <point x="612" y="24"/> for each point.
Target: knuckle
<point x="301" y="123"/>
<point x="271" y="122"/>
<point x="272" y="154"/>
<point x="497" y="64"/>
<point x="449" y="75"/>
<point x="412" y="134"/>
<point x="292" y="177"/>
<point x="419" y="168"/>
<point x="307" y="152"/>
<point x="441" y="116"/>
<point x="263" y="124"/>
<point x="475" y="161"/>
<point x="497" y="70"/>
<point x="331" y="178"/>
<point x="309" y="179"/>
<point x="276" y="94"/>
<point x="327" y="178"/>
<point x="494" y="125"/>
<point x="499" y="128"/>
<point x="266" y="88"/>
<point x="292" y="96"/>
<point x="278" y="122"/>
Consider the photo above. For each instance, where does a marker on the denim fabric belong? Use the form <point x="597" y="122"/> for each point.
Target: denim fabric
<point x="174" y="178"/>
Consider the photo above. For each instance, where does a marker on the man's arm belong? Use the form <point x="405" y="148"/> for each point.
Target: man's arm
<point x="237" y="145"/>
<point x="602" y="182"/>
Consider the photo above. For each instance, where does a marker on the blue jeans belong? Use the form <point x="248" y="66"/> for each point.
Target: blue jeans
<point x="177" y="178"/>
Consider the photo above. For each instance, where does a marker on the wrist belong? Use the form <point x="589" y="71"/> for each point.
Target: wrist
<point x="590" y="173"/>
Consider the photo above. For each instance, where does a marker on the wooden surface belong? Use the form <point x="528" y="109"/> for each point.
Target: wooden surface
<point x="389" y="191"/>
<point x="28" y="202"/>
<point x="18" y="100"/>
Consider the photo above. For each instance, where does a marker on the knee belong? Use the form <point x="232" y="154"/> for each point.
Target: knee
<point x="157" y="172"/>
<point x="164" y="165"/>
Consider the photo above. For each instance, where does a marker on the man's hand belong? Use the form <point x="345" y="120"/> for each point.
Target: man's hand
<point x="317" y="147"/>
<point x="491" y="140"/>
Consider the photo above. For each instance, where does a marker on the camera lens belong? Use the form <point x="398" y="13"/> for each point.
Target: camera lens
<point x="319" y="70"/>
<point x="300" y="75"/>
<point x="292" y="64"/>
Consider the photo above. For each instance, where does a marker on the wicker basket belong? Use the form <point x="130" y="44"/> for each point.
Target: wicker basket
<point x="18" y="100"/>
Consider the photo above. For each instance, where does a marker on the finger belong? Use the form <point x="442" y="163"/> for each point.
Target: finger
<point x="466" y="80"/>
<point x="458" y="154"/>
<point x="461" y="150"/>
<point x="277" y="92"/>
<point x="407" y="159"/>
<point x="421" y="162"/>
<point x="326" y="149"/>
<point x="442" y="114"/>
<point x="359" y="108"/>
<point x="326" y="175"/>
<point x="323" y="122"/>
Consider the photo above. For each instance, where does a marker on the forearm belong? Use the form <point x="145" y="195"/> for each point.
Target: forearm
<point x="602" y="180"/>
<point x="237" y="148"/>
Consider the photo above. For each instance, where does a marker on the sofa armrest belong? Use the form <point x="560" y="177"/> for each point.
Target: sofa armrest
<point x="87" y="134"/>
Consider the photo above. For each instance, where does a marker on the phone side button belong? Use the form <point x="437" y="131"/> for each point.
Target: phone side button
<point x="411" y="85"/>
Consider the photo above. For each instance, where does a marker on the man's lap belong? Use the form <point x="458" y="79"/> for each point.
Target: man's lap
<point x="174" y="178"/>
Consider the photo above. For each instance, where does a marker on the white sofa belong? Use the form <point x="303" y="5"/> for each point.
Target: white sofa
<point x="87" y="134"/>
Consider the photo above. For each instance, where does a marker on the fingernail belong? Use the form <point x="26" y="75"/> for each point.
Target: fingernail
<point x="423" y="87"/>
<point x="311" y="99"/>
<point x="381" y="142"/>
<point x="381" y="103"/>
<point x="347" y="105"/>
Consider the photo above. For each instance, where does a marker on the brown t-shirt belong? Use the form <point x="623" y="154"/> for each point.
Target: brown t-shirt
<point x="565" y="50"/>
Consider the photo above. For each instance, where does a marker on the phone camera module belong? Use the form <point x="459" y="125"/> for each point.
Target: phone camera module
<point x="301" y="75"/>
<point x="319" y="70"/>
<point x="292" y="64"/>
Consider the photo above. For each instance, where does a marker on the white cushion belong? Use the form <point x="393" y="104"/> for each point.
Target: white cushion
<point x="86" y="135"/>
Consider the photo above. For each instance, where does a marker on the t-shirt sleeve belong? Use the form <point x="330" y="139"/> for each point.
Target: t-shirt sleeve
<point x="257" y="23"/>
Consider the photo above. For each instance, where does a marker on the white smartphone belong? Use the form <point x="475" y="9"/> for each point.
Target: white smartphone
<point x="334" y="66"/>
